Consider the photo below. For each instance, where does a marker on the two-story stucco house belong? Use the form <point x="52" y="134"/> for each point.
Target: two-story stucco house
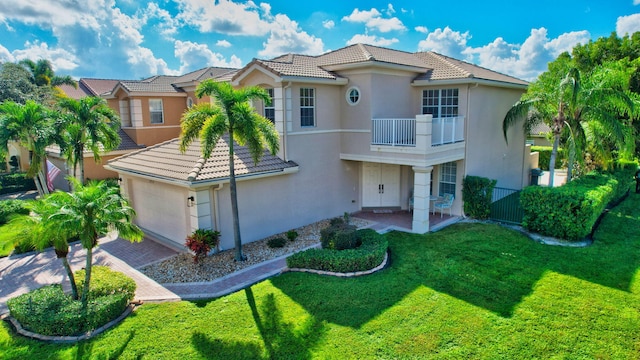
<point x="360" y="127"/>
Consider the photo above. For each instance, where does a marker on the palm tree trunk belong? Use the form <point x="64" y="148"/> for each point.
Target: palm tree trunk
<point x="87" y="278"/>
<point x="239" y="256"/>
<point x="81" y="164"/>
<point x="65" y="262"/>
<point x="552" y="158"/>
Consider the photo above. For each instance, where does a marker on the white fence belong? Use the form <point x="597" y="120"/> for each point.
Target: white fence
<point x="393" y="132"/>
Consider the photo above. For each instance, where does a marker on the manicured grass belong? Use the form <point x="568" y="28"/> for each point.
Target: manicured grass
<point x="469" y="291"/>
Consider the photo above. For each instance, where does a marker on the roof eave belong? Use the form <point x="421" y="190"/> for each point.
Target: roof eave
<point x="378" y="64"/>
<point x="470" y="80"/>
<point x="314" y="80"/>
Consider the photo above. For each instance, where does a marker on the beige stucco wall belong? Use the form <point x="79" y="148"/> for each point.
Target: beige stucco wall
<point x="487" y="153"/>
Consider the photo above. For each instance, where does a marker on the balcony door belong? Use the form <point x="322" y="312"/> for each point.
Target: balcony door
<point x="381" y="185"/>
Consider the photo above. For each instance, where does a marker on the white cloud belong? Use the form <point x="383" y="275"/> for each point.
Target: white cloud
<point x="5" y="55"/>
<point x="287" y="37"/>
<point x="373" y="20"/>
<point x="61" y="60"/>
<point x="225" y="16"/>
<point x="168" y="26"/>
<point x="421" y="29"/>
<point x="372" y="40"/>
<point x="223" y="43"/>
<point x="390" y="10"/>
<point x="445" y="41"/>
<point x="628" y="24"/>
<point x="636" y="2"/>
<point x="195" y="56"/>
<point x="328" y="24"/>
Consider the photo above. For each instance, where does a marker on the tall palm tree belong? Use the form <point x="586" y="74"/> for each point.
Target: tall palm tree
<point x="91" y="211"/>
<point x="87" y="123"/>
<point x="231" y="113"/>
<point x="569" y="107"/>
<point x="42" y="74"/>
<point x="31" y="125"/>
<point x="37" y="229"/>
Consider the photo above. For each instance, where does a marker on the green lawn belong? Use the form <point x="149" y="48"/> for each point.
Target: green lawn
<point x="469" y="291"/>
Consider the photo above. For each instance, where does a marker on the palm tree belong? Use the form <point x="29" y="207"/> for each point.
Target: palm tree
<point x="87" y="123"/>
<point x="38" y="230"/>
<point x="570" y="108"/>
<point x="31" y="125"/>
<point x="42" y="74"/>
<point x="231" y="113"/>
<point x="91" y="211"/>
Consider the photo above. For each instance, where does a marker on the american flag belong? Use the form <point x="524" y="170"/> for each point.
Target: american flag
<point x="52" y="173"/>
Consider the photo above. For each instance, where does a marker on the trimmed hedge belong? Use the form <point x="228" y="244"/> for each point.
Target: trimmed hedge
<point x="368" y="255"/>
<point x="16" y="182"/>
<point x="476" y="196"/>
<point x="569" y="212"/>
<point x="545" y="156"/>
<point x="12" y="207"/>
<point x="49" y="311"/>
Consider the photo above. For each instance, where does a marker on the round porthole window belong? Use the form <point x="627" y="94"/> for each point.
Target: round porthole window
<point x="353" y="95"/>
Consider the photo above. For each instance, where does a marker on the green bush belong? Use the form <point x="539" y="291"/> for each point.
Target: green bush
<point x="105" y="281"/>
<point x="368" y="255"/>
<point x="49" y="311"/>
<point x="12" y="207"/>
<point x="545" y="157"/>
<point x="292" y="235"/>
<point x="476" y="196"/>
<point x="276" y="242"/>
<point x="339" y="236"/>
<point x="16" y="182"/>
<point x="570" y="212"/>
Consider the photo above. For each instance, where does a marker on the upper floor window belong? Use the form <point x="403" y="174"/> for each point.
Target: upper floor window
<point x="440" y="102"/>
<point x="155" y="110"/>
<point x="353" y="95"/>
<point x="307" y="107"/>
<point x="270" y="110"/>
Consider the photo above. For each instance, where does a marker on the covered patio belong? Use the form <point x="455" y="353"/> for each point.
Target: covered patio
<point x="402" y="220"/>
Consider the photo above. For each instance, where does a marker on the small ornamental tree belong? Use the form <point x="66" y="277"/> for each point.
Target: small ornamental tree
<point x="201" y="241"/>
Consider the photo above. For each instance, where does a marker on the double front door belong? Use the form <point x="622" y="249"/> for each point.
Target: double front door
<point x="381" y="185"/>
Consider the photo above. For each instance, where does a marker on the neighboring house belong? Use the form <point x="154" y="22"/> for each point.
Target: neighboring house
<point x="539" y="135"/>
<point x="360" y="127"/>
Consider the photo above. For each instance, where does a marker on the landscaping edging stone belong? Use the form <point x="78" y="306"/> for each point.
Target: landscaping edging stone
<point x="339" y="274"/>
<point x="70" y="339"/>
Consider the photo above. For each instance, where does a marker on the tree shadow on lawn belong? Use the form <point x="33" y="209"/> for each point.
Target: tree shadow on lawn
<point x="483" y="264"/>
<point x="281" y="340"/>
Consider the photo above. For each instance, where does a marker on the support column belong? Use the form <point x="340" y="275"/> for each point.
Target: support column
<point x="421" y="193"/>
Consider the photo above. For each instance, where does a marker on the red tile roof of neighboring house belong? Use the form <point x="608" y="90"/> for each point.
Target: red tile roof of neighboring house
<point x="165" y="161"/>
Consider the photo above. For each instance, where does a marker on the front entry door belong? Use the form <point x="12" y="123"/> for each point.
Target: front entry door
<point x="381" y="185"/>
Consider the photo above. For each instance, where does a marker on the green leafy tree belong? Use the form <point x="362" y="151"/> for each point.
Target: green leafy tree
<point x="230" y="114"/>
<point x="15" y="84"/>
<point x="88" y="123"/>
<point x="31" y="125"/>
<point x="89" y="212"/>
<point x="42" y="74"/>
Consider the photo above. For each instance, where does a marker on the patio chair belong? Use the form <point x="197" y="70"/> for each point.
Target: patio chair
<point x="445" y="203"/>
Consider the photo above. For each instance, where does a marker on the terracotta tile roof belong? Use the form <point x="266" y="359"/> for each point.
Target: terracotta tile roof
<point x="126" y="143"/>
<point x="97" y="87"/>
<point x="435" y="66"/>
<point x="165" y="160"/>
<point x="205" y="73"/>
<point x="540" y="129"/>
<point x="72" y="92"/>
<point x="159" y="84"/>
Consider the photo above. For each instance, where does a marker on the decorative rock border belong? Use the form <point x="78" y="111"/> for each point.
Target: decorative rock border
<point x="339" y="274"/>
<point x="71" y="339"/>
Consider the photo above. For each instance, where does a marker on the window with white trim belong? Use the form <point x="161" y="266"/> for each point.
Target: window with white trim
<point x="440" y="102"/>
<point x="353" y="95"/>
<point x="307" y="107"/>
<point x="270" y="110"/>
<point x="155" y="111"/>
<point x="447" y="179"/>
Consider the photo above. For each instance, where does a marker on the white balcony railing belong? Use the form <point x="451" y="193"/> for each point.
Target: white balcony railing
<point x="447" y="130"/>
<point x="402" y="132"/>
<point x="393" y="132"/>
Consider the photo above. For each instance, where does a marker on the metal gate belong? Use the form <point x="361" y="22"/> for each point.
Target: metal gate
<point x="505" y="206"/>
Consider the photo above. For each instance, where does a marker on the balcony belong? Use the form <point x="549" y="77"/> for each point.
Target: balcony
<point x="408" y="132"/>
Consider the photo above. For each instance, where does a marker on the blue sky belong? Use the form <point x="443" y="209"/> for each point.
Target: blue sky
<point x="129" y="39"/>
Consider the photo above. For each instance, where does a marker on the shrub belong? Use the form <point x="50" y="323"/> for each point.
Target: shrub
<point x="12" y="207"/>
<point x="49" y="311"/>
<point x="292" y="235"/>
<point x="545" y="156"/>
<point x="105" y="281"/>
<point x="201" y="241"/>
<point x="10" y="183"/>
<point x="338" y="235"/>
<point x="276" y="242"/>
<point x="368" y="255"/>
<point x="570" y="212"/>
<point x="476" y="195"/>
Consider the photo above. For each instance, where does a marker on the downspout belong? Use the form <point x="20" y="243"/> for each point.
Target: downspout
<point x="285" y="153"/>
